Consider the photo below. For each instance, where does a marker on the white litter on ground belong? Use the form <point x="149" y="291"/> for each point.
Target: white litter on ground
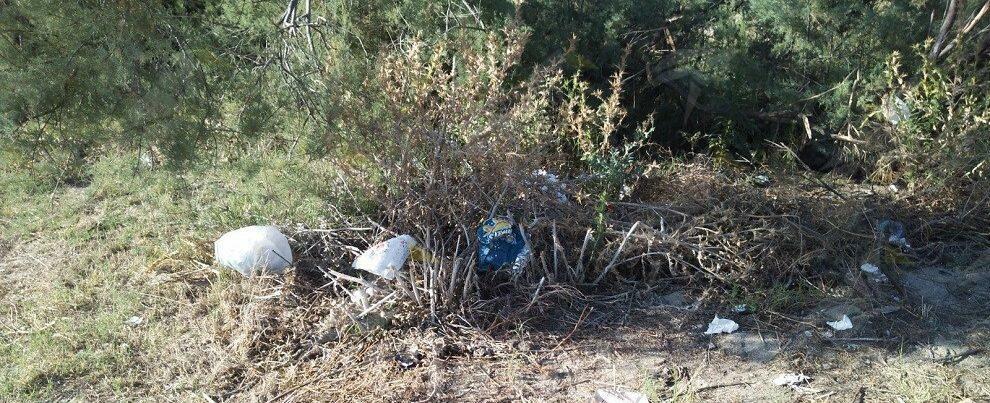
<point x="721" y="325"/>
<point x="552" y="185"/>
<point x="618" y="396"/>
<point x="873" y="272"/>
<point x="841" y="324"/>
<point x="791" y="379"/>
<point x="386" y="258"/>
<point x="869" y="268"/>
<point x="253" y="249"/>
<point x="899" y="241"/>
<point x="741" y="308"/>
<point x="896" y="109"/>
<point x="134" y="321"/>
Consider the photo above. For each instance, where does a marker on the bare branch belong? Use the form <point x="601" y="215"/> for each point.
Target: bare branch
<point x="943" y="33"/>
<point x="973" y="20"/>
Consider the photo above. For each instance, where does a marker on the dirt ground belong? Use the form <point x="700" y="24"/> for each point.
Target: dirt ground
<point x="892" y="353"/>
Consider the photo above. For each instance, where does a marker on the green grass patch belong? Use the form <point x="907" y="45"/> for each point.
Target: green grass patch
<point x="80" y="258"/>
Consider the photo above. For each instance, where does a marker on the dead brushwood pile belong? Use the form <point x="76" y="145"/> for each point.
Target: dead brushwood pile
<point x="689" y="225"/>
<point x="447" y="145"/>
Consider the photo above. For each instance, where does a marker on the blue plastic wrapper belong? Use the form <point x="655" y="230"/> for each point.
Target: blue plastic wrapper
<point x="501" y="244"/>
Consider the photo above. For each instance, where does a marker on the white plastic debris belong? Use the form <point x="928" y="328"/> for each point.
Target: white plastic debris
<point x="896" y="231"/>
<point x="721" y="325"/>
<point x="896" y="109"/>
<point x="873" y="272"/>
<point x="386" y="258"/>
<point x="618" y="396"/>
<point x="134" y="321"/>
<point x="253" y="249"/>
<point x="741" y="308"/>
<point x="791" y="379"/>
<point x="762" y="180"/>
<point x="841" y="324"/>
<point x="360" y="298"/>
<point x="899" y="240"/>
<point x="551" y="185"/>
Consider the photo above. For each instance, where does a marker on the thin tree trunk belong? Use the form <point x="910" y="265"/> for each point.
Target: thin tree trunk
<point x="947" y="23"/>
<point x="973" y="21"/>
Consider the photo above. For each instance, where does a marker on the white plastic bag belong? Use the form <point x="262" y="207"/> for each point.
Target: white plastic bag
<point x="721" y="325"/>
<point x="618" y="396"/>
<point x="841" y="324"/>
<point x="386" y="258"/>
<point x="791" y="379"/>
<point x="253" y="249"/>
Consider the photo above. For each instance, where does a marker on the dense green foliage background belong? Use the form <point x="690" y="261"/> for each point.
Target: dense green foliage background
<point x="191" y="79"/>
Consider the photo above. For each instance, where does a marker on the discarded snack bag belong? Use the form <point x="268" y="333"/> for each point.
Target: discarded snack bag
<point x="501" y="243"/>
<point x="386" y="258"/>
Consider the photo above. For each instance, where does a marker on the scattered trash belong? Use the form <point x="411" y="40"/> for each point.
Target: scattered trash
<point x="791" y="379"/>
<point x="873" y="272"/>
<point x="386" y="258"/>
<point x="720" y="325"/>
<point x="894" y="231"/>
<point x="253" y="249"/>
<point x="761" y="180"/>
<point x="146" y="158"/>
<point x="896" y="109"/>
<point x="551" y="185"/>
<point x="362" y="297"/>
<point x="134" y="321"/>
<point x="741" y="308"/>
<point x="409" y="359"/>
<point x="869" y="268"/>
<point x="618" y="396"/>
<point x="502" y="243"/>
<point x="841" y="324"/>
<point x="625" y="192"/>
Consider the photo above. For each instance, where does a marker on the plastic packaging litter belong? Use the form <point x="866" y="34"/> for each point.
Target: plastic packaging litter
<point x="841" y="324"/>
<point x="618" y="396"/>
<point x="741" y="308"/>
<point x="501" y="243"/>
<point x="134" y="321"/>
<point x="721" y="325"/>
<point x="253" y="249"/>
<point x="869" y="268"/>
<point x="896" y="109"/>
<point x="386" y="258"/>
<point x="550" y="184"/>
<point x="791" y="379"/>
<point x="894" y="231"/>
<point x="362" y="296"/>
<point x="762" y="180"/>
<point x="873" y="272"/>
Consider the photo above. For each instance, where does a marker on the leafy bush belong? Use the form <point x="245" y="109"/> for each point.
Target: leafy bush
<point x="214" y="77"/>
<point x="932" y="131"/>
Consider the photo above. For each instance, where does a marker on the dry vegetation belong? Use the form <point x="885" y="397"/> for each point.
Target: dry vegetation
<point x="438" y="141"/>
